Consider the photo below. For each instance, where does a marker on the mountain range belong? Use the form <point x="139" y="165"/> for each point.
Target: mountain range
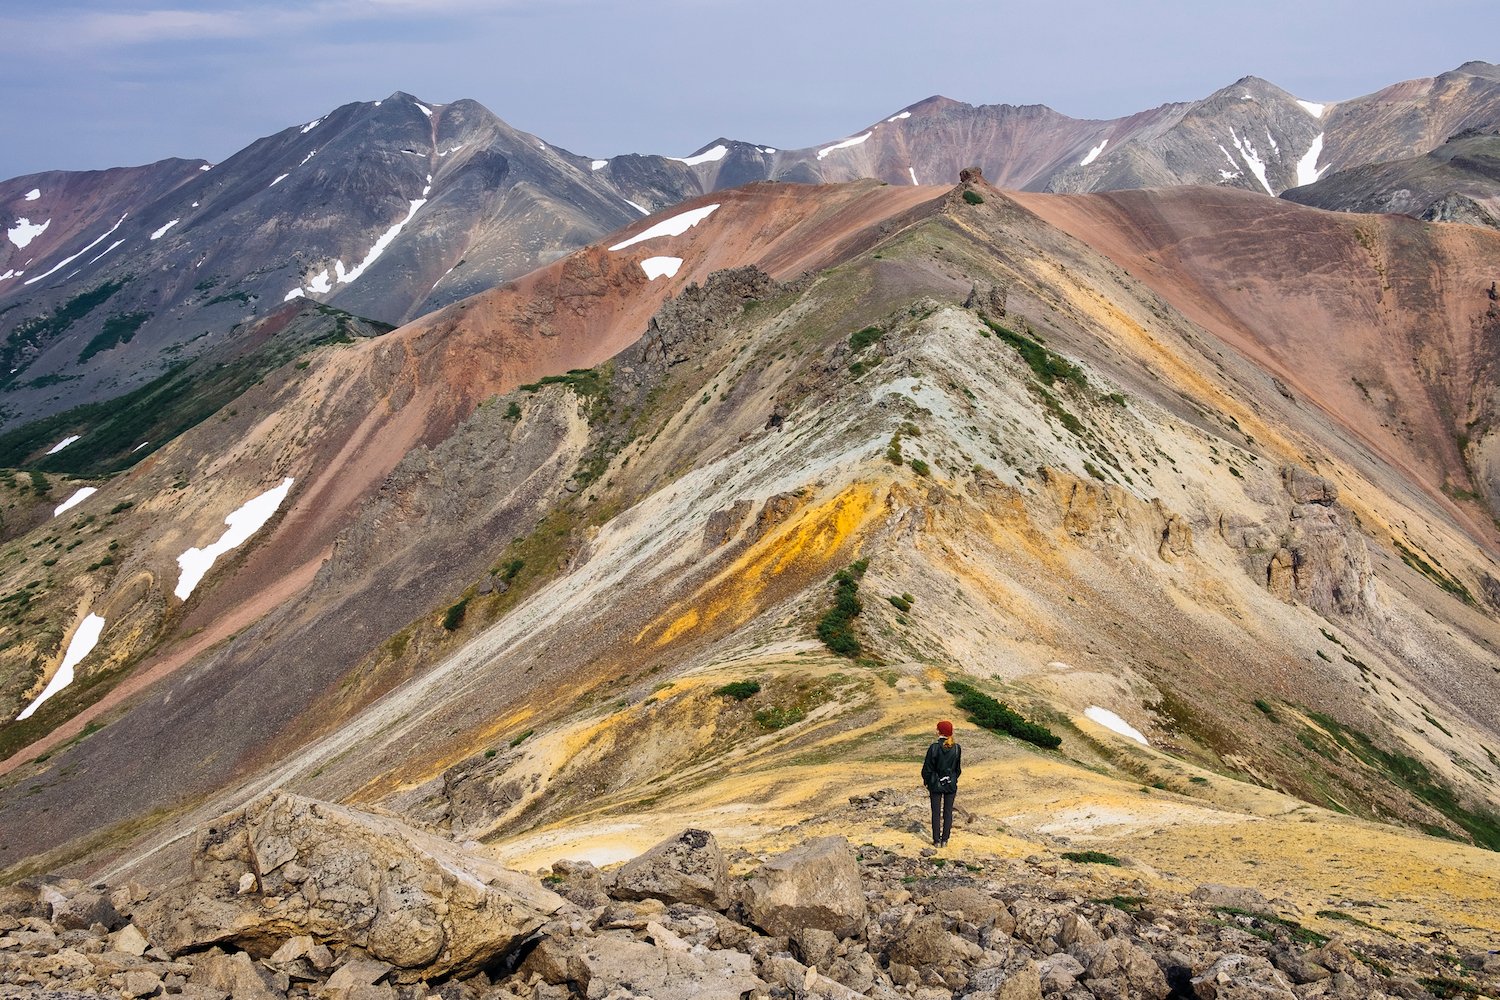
<point x="702" y="518"/>
<point x="393" y="208"/>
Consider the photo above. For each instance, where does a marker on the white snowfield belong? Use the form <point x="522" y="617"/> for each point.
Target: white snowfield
<point x="675" y="226"/>
<point x="1111" y="721"/>
<point x="62" y="444"/>
<point x="73" y="501"/>
<point x="82" y="644"/>
<point x="598" y="164"/>
<point x="385" y="240"/>
<point x="639" y="208"/>
<point x="104" y="251"/>
<point x="320" y="283"/>
<point x="244" y="522"/>
<point x="1252" y="160"/>
<point x="206" y="167"/>
<point x="308" y="157"/>
<point x="1312" y="108"/>
<point x="278" y="180"/>
<point x="12" y="273"/>
<point x="657" y="267"/>
<point x="311" y="125"/>
<point x="1093" y="153"/>
<point x="423" y="108"/>
<point x="295" y="293"/>
<point x="1307" y="167"/>
<point x="24" y="231"/>
<point x="844" y="145"/>
<point x="33" y="194"/>
<point x="895" y="117"/>
<point x="707" y="156"/>
<point x="163" y="230"/>
<point x="913" y="172"/>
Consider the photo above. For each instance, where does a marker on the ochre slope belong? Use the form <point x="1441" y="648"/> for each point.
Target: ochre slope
<point x="1384" y="323"/>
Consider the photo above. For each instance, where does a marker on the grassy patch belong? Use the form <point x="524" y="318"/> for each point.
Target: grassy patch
<point x="522" y="738"/>
<point x="902" y="603"/>
<point x="987" y="713"/>
<point x="1261" y="924"/>
<point x="30" y="335"/>
<point x="973" y="197"/>
<point x="1091" y="858"/>
<point x="1047" y="365"/>
<point x="1435" y="574"/>
<point x="1411" y="775"/>
<point x="454" y="616"/>
<point x="1130" y="904"/>
<point x="836" y="627"/>
<point x="739" y="690"/>
<point x="861" y="339"/>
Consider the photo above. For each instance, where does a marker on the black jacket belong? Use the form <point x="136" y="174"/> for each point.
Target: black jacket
<point x="942" y="762"/>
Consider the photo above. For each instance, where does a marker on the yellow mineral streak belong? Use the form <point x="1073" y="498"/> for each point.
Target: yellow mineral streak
<point x="810" y="540"/>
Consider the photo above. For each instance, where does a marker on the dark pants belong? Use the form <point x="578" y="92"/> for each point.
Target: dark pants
<point x="942" y="815"/>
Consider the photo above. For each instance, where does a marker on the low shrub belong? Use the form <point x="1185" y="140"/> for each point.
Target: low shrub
<point x="987" y="713"/>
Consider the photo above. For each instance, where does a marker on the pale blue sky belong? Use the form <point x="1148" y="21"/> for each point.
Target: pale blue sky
<point x="97" y="83"/>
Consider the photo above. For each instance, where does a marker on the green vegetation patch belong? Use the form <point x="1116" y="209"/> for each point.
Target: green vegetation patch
<point x="1410" y="774"/>
<point x="836" y="627"/>
<point x="120" y="328"/>
<point x="1092" y="858"/>
<point x="1435" y="574"/>
<point x="454" y="616"/>
<point x="739" y="690"/>
<point x="1048" y="366"/>
<point x="973" y="197"/>
<point x="861" y="339"/>
<point x="1262" y="924"/>
<point x="987" y="713"/>
<point x="31" y="334"/>
<point x="1130" y="904"/>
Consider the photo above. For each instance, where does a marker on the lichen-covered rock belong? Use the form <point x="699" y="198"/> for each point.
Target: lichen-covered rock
<point x="815" y="884"/>
<point x="687" y="868"/>
<point x="1242" y="977"/>
<point x="347" y="877"/>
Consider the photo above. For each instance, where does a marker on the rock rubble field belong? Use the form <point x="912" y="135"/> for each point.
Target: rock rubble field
<point x="296" y="898"/>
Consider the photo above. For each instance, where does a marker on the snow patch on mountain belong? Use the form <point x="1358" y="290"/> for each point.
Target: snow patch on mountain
<point x="1307" y="167"/>
<point x="656" y="267"/>
<point x="895" y="117"/>
<point x="843" y="145"/>
<point x="1113" y="722"/>
<point x="913" y="172"/>
<point x="295" y="293"/>
<point x="308" y="157"/>
<point x="345" y="277"/>
<point x="73" y="501"/>
<point x="163" y="230"/>
<point x="24" y="231"/>
<point x="278" y="180"/>
<point x="1252" y="160"/>
<point x="452" y="149"/>
<point x="598" y="164"/>
<point x="244" y="522"/>
<point x="1314" y="109"/>
<point x="707" y="156"/>
<point x="639" y="208"/>
<point x="33" y="194"/>
<point x="62" y="444"/>
<point x="675" y="226"/>
<point x="206" y="167"/>
<point x="82" y="644"/>
<point x="311" y="125"/>
<point x="104" y="251"/>
<point x="320" y="282"/>
<point x="423" y="108"/>
<point x="11" y="273"/>
<point x="1093" y="153"/>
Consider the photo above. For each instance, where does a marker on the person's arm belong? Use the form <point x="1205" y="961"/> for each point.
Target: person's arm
<point x="927" y="769"/>
<point x="958" y="763"/>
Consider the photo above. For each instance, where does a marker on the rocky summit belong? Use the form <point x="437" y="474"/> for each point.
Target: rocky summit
<point x="295" y="898"/>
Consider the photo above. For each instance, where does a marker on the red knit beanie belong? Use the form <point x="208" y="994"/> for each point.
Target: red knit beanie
<point x="945" y="728"/>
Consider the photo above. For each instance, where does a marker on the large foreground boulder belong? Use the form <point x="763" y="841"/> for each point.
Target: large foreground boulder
<point x="687" y="868"/>
<point x="815" y="884"/>
<point x="596" y="966"/>
<point x="285" y="866"/>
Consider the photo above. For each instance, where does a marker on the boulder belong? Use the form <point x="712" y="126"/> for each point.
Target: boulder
<point x="598" y="965"/>
<point x="1305" y="487"/>
<point x="1131" y="969"/>
<point x="1242" y="977"/>
<point x="231" y="974"/>
<point x="345" y="877"/>
<point x="129" y="941"/>
<point x="815" y="884"/>
<point x="687" y="868"/>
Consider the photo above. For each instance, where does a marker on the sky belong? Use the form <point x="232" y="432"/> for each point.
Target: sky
<point x="89" y="84"/>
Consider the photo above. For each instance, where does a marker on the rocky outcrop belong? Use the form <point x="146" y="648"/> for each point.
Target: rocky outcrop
<point x="687" y="868"/>
<point x="896" y="927"/>
<point x="285" y="866"/>
<point x="815" y="884"/>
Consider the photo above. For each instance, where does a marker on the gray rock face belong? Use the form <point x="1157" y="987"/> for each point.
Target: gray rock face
<point x="338" y="875"/>
<point x="597" y="965"/>
<point x="687" y="868"/>
<point x="815" y="884"/>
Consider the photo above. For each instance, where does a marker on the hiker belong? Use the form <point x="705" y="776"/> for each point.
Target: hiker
<point x="940" y="771"/>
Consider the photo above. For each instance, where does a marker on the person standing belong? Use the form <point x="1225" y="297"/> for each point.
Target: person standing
<point x="940" y="771"/>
